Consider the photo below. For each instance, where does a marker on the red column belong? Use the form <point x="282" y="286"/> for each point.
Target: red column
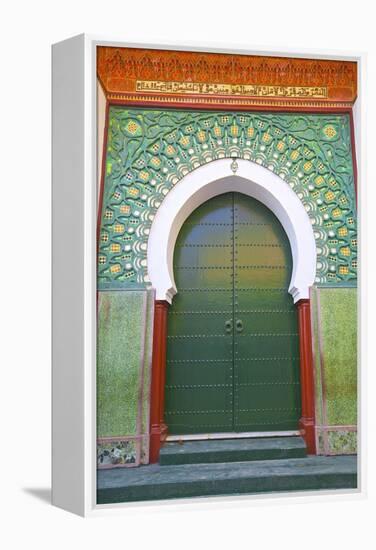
<point x="307" y="421"/>
<point x="158" y="429"/>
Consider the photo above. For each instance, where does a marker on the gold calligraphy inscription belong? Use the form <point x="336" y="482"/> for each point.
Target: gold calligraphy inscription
<point x="160" y="86"/>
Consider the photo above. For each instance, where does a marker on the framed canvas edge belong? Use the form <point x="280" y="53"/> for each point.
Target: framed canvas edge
<point x="86" y="466"/>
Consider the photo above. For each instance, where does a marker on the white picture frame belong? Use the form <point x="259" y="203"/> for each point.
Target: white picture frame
<point x="74" y="209"/>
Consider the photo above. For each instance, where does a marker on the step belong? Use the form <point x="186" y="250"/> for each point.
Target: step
<point x="232" y="450"/>
<point x="155" y="482"/>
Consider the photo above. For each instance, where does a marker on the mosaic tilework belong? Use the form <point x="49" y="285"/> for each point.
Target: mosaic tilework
<point x="334" y="331"/>
<point x="336" y="442"/>
<point x="117" y="453"/>
<point x="150" y="151"/>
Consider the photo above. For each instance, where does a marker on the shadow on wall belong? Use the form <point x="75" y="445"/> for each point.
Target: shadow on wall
<point x="41" y="493"/>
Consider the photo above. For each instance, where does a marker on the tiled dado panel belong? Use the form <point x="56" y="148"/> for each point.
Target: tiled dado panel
<point x="125" y="321"/>
<point x="150" y="151"/>
<point x="334" y="328"/>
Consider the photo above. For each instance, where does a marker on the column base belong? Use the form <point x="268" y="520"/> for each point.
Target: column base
<point x="164" y="431"/>
<point x="307" y="430"/>
<point x="155" y="444"/>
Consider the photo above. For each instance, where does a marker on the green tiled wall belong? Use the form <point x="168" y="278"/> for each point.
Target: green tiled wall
<point x="123" y="374"/>
<point x="334" y="323"/>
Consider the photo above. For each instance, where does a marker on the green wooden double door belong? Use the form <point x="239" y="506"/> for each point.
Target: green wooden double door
<point x="233" y="351"/>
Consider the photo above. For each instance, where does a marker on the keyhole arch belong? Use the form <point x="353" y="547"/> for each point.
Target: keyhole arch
<point x="213" y="179"/>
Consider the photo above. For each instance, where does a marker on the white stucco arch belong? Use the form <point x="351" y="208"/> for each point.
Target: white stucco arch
<point x="214" y="179"/>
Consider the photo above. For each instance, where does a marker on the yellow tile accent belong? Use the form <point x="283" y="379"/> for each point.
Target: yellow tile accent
<point x="133" y="191"/>
<point x="266" y="137"/>
<point x="234" y="130"/>
<point x="332" y="182"/>
<point x="185" y="140"/>
<point x="144" y="175"/>
<point x="155" y="161"/>
<point x="330" y="131"/>
<point x="125" y="209"/>
<point x="294" y="155"/>
<point x="345" y="251"/>
<point x="132" y="127"/>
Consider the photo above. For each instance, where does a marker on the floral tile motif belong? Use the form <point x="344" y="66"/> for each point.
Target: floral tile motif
<point x="117" y="453"/>
<point x="336" y="442"/>
<point x="150" y="151"/>
<point x="342" y="442"/>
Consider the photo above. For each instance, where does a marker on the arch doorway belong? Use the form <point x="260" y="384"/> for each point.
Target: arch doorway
<point x="194" y="189"/>
<point x="232" y="345"/>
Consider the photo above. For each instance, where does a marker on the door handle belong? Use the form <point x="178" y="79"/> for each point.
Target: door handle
<point x="228" y="326"/>
<point x="239" y="325"/>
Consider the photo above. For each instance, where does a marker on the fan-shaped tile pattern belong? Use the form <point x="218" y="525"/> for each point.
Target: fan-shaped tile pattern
<point x="150" y="151"/>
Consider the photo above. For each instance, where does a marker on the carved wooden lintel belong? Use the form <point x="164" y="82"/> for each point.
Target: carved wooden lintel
<point x="183" y="78"/>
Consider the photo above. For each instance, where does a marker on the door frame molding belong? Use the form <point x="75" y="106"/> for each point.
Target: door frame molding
<point x="215" y="178"/>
